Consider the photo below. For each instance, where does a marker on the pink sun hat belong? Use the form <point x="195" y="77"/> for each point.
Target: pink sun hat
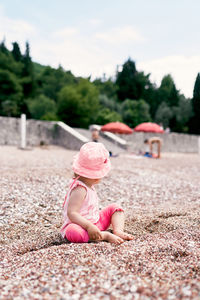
<point x="92" y="161"/>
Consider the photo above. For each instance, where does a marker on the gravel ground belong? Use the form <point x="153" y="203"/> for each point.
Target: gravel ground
<point x="162" y="203"/>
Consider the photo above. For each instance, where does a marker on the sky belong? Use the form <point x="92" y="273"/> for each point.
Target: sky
<point x="91" y="38"/>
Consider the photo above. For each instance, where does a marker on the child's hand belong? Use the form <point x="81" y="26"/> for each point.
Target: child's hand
<point x="94" y="232"/>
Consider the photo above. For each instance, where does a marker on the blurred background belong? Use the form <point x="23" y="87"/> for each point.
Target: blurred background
<point x="85" y="62"/>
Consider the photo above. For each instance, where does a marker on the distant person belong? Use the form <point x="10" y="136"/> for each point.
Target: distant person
<point x="95" y="135"/>
<point x="83" y="221"/>
<point x="167" y="130"/>
<point x="95" y="138"/>
<point x="161" y="126"/>
<point x="149" y="147"/>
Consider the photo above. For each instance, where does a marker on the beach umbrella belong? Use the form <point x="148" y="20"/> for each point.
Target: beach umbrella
<point x="149" y="127"/>
<point x="117" y="127"/>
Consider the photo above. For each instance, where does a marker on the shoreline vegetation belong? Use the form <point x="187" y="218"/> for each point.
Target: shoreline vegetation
<point x="46" y="93"/>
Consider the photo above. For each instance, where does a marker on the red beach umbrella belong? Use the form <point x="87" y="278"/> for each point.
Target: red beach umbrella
<point x="149" y="127"/>
<point x="117" y="127"/>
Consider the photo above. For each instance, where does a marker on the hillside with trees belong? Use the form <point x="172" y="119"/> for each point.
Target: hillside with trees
<point x="46" y="93"/>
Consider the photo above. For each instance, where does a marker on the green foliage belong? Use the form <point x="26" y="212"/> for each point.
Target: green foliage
<point x="175" y="117"/>
<point x="136" y="85"/>
<point x="126" y="81"/>
<point x="163" y="115"/>
<point x="3" y="48"/>
<point x="9" y="108"/>
<point x="110" y="103"/>
<point x="50" y="81"/>
<point x="8" y="63"/>
<point x="10" y="95"/>
<point x="50" y="116"/>
<point x="195" y="121"/>
<point x="135" y="112"/>
<point x="46" y="93"/>
<point x="28" y="65"/>
<point x="167" y="92"/>
<point x="105" y="115"/>
<point x="78" y="104"/>
<point x="68" y="108"/>
<point x="196" y="92"/>
<point x="169" y="102"/>
<point x="16" y="52"/>
<point x="150" y="96"/>
<point x="183" y="113"/>
<point x="106" y="87"/>
<point x="42" y="108"/>
<point x="38" y="69"/>
<point x="28" y="78"/>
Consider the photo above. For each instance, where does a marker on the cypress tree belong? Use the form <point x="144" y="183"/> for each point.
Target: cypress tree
<point x="28" y="65"/>
<point x="3" y="48"/>
<point x="16" y="52"/>
<point x="126" y="81"/>
<point x="28" y="80"/>
<point x="195" y="126"/>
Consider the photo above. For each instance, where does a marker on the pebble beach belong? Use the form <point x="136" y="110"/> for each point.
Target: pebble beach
<point x="161" y="199"/>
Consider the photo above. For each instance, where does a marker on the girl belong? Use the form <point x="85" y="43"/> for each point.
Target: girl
<point x="82" y="219"/>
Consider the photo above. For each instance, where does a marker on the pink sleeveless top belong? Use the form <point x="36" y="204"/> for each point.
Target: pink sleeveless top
<point x="90" y="206"/>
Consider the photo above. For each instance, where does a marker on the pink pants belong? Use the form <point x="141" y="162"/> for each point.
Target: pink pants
<point x="76" y="234"/>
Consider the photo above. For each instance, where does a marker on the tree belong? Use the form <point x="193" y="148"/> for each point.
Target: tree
<point x="126" y="81"/>
<point x="7" y="62"/>
<point x="51" y="81"/>
<point x="167" y="92"/>
<point x="133" y="84"/>
<point x="106" y="87"/>
<point x="109" y="103"/>
<point x="10" y="108"/>
<point x="135" y="112"/>
<point x="10" y="95"/>
<point x="28" y="80"/>
<point x="78" y="104"/>
<point x="182" y="114"/>
<point x="195" y="120"/>
<point x="3" y="48"/>
<point x="16" y="52"/>
<point x="105" y="115"/>
<point x="150" y="96"/>
<point x="42" y="108"/>
<point x="168" y="101"/>
<point x="175" y="117"/>
<point x="163" y="114"/>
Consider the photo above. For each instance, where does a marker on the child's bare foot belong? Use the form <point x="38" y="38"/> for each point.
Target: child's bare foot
<point x="112" y="238"/>
<point x="123" y="235"/>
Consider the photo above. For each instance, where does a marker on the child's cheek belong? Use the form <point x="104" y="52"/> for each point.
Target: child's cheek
<point x="97" y="181"/>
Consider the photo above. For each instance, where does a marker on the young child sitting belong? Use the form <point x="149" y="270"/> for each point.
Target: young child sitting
<point x="83" y="221"/>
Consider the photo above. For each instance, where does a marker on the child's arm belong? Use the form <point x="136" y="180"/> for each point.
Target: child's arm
<point x="75" y="202"/>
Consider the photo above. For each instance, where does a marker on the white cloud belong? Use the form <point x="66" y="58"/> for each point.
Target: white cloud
<point x="76" y="52"/>
<point x="66" y="32"/>
<point x="183" y="69"/>
<point x="79" y="55"/>
<point x="95" y="22"/>
<point x="118" y="35"/>
<point x="15" y="30"/>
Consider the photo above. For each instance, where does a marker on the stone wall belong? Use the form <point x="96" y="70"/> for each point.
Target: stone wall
<point x="44" y="132"/>
<point x="66" y="139"/>
<point x="37" y="132"/>
<point x="172" y="142"/>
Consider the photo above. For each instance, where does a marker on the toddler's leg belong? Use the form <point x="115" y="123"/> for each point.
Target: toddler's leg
<point x="117" y="222"/>
<point x="76" y="234"/>
<point x="106" y="215"/>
